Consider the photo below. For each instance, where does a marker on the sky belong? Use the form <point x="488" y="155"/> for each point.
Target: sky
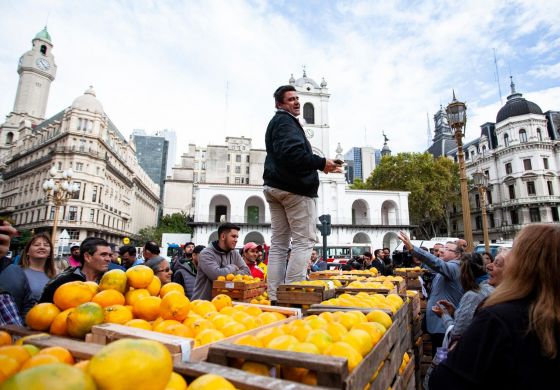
<point x="207" y="69"/>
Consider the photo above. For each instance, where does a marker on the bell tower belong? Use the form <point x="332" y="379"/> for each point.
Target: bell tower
<point x="314" y="118"/>
<point x="36" y="70"/>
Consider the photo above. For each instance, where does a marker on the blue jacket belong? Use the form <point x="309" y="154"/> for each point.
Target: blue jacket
<point x="446" y="285"/>
<point x="290" y="164"/>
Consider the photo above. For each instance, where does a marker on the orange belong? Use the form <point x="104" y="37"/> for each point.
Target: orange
<point x="8" y="367"/>
<point x="267" y="318"/>
<point x="50" y="377"/>
<point x="60" y="353"/>
<point x="33" y="350"/>
<point x="360" y="340"/>
<point x="17" y="352"/>
<point x="373" y="330"/>
<point x="232" y="328"/>
<point x="72" y="294"/>
<point x="139" y="276"/>
<point x="256" y="368"/>
<point x="250" y="341"/>
<point x="156" y="322"/>
<point x="201" y="324"/>
<point x="5" y="338"/>
<point x="132" y="296"/>
<point x="267" y="334"/>
<point x="39" y="360"/>
<point x="320" y="338"/>
<point x="251" y="310"/>
<point x="154" y="286"/>
<point x="137" y="364"/>
<point x="230" y="277"/>
<point x="208" y="336"/>
<point x="344" y="350"/>
<point x="82" y="365"/>
<point x="176" y="382"/>
<point x="210" y="381"/>
<point x="230" y="311"/>
<point x="305" y="348"/>
<point x="283" y="342"/>
<point x="204" y="307"/>
<point x="80" y="321"/>
<point x="191" y="318"/>
<point x="171" y="287"/>
<point x="94" y="287"/>
<point x="58" y="326"/>
<point x="147" y="308"/>
<point x="114" y="279"/>
<point x="221" y="278"/>
<point x="140" y="324"/>
<point x="174" y="306"/>
<point x="41" y="316"/>
<point x="220" y="301"/>
<point x="116" y="314"/>
<point x="175" y="328"/>
<point x="220" y="320"/>
<point x="108" y="298"/>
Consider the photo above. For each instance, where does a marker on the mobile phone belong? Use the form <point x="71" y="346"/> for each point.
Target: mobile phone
<point x="338" y="161"/>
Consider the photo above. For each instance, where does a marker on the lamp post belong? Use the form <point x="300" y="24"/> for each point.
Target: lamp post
<point x="457" y="118"/>
<point x="481" y="182"/>
<point x="58" y="191"/>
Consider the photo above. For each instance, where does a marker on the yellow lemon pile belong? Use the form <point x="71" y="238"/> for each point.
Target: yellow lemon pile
<point x="248" y="279"/>
<point x="391" y="302"/>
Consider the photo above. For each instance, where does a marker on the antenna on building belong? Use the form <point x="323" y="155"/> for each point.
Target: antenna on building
<point x="498" y="77"/>
<point x="429" y="129"/>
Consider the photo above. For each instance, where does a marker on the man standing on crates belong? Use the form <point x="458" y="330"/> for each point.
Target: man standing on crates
<point x="291" y="182"/>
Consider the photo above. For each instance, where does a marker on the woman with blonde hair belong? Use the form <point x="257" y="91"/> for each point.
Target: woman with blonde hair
<point x="37" y="262"/>
<point x="514" y="340"/>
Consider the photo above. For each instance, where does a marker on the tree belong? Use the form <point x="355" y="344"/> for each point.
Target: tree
<point x="172" y="223"/>
<point x="433" y="183"/>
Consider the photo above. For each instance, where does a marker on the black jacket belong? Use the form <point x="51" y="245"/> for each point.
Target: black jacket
<point x="70" y="274"/>
<point x="497" y="352"/>
<point x="14" y="281"/>
<point x="290" y="164"/>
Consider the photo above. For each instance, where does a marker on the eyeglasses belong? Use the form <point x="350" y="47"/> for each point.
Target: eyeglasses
<point x="165" y="270"/>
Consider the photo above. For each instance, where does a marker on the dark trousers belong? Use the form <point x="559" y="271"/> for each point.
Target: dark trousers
<point x="437" y="341"/>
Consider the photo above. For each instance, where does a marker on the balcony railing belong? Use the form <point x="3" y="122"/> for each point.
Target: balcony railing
<point x="244" y="219"/>
<point x="531" y="200"/>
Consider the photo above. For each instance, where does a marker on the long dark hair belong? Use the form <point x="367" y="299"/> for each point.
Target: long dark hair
<point x="50" y="269"/>
<point x="472" y="267"/>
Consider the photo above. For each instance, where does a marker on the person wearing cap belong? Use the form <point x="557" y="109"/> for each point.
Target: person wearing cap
<point x="250" y="255"/>
<point x="73" y="259"/>
<point x="219" y="259"/>
<point x="185" y="270"/>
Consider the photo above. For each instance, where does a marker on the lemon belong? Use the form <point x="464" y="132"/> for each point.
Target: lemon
<point x="380" y="317"/>
<point x="345" y="350"/>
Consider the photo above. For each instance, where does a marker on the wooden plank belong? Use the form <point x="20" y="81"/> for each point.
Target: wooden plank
<point x="240" y="379"/>
<point x="288" y="311"/>
<point x="79" y="349"/>
<point x="331" y="371"/>
<point x="20" y="331"/>
<point x="403" y="380"/>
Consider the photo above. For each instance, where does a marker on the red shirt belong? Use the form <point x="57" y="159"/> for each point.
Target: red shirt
<point x="256" y="271"/>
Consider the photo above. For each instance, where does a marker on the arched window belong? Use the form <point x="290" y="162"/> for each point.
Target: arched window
<point x="221" y="214"/>
<point x="539" y="135"/>
<point x="9" y="138"/>
<point x="309" y="113"/>
<point x="44" y="50"/>
<point x="522" y="135"/>
<point x="253" y="214"/>
<point x="506" y="139"/>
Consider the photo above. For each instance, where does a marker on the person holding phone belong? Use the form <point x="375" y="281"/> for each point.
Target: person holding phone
<point x="291" y="182"/>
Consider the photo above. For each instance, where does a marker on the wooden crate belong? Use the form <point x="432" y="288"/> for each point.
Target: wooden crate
<point x="238" y="290"/>
<point x="181" y="348"/>
<point x="406" y="380"/>
<point x="331" y="371"/>
<point x="410" y="273"/>
<point x="302" y="294"/>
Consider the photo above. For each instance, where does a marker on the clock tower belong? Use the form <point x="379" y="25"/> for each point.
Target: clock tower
<point x="36" y="70"/>
<point x="314" y="102"/>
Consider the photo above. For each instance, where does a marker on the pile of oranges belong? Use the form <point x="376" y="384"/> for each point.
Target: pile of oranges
<point x="349" y="334"/>
<point x="136" y="299"/>
<point x="239" y="278"/>
<point x="124" y="364"/>
<point x="392" y="302"/>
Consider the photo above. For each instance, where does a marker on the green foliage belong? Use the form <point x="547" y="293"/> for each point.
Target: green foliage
<point x="433" y="183"/>
<point x="358" y="185"/>
<point x="173" y="223"/>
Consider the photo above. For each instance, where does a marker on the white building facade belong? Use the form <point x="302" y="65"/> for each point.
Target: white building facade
<point x="520" y="154"/>
<point x="116" y="198"/>
<point x="357" y="216"/>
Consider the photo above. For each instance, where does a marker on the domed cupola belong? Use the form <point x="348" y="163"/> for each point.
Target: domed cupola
<point x="88" y="102"/>
<point x="517" y="105"/>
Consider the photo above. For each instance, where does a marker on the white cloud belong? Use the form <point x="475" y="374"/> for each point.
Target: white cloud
<point x="166" y="64"/>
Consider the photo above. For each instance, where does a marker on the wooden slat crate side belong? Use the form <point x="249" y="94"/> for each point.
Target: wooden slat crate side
<point x="287" y="311"/>
<point x="239" y="293"/>
<point x="403" y="381"/>
<point x="240" y="379"/>
<point x="390" y="369"/>
<point x="331" y="371"/>
<point x="80" y="350"/>
<point x="237" y="285"/>
<point x="18" y="331"/>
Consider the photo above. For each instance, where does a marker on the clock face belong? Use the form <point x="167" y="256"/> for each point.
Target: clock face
<point x="309" y="133"/>
<point x="43" y="63"/>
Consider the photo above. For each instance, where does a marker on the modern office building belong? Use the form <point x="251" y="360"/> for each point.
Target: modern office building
<point x="152" y="153"/>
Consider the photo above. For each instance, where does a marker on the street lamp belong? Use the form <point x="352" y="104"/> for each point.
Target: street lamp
<point x="58" y="191"/>
<point x="457" y="119"/>
<point x="481" y="182"/>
